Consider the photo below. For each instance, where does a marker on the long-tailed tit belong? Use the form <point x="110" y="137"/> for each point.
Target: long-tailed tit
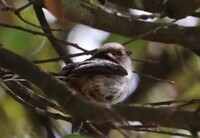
<point x="105" y="77"/>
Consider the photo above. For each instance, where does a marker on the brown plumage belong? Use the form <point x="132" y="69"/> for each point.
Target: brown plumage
<point x="105" y="77"/>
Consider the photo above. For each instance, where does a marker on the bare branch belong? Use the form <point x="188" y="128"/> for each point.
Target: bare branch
<point x="24" y="29"/>
<point x="118" y="13"/>
<point x="37" y="97"/>
<point x="92" y="111"/>
<point x="153" y="77"/>
<point x="150" y="32"/>
<point x="146" y="61"/>
<point x="188" y="37"/>
<point x="43" y="34"/>
<point x="170" y="8"/>
<point x="155" y="130"/>
<point x="29" y="105"/>
<point x="95" y="129"/>
<point x="17" y="11"/>
<point x="60" y="58"/>
<point x="61" y="50"/>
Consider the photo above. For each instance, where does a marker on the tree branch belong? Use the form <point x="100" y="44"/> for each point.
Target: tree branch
<point x="176" y="9"/>
<point x="40" y="110"/>
<point x="60" y="49"/>
<point x="109" y="21"/>
<point x="82" y="109"/>
<point x="51" y="87"/>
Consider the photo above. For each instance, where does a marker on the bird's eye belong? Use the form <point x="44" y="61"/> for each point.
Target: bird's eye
<point x="117" y="53"/>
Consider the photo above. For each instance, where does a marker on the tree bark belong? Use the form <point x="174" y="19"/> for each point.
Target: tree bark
<point x="110" y="21"/>
<point x="86" y="110"/>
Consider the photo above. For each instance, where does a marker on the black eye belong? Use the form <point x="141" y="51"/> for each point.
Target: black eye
<point x="117" y="53"/>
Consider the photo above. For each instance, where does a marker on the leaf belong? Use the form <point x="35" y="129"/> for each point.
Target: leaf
<point x="56" y="8"/>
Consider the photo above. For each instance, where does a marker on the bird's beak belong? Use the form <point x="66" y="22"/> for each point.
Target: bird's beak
<point x="128" y="53"/>
<point x="112" y="57"/>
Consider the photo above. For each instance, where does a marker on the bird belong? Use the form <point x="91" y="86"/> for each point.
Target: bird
<point x="106" y="77"/>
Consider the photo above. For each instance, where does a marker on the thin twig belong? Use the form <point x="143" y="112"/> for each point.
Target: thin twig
<point x="42" y="34"/>
<point x="18" y="10"/>
<point x="189" y="102"/>
<point x="7" y="7"/>
<point x="29" y="105"/>
<point x="34" y="25"/>
<point x="63" y="57"/>
<point x="24" y="29"/>
<point x="177" y="103"/>
<point x="131" y="17"/>
<point x="153" y="130"/>
<point x="149" y="32"/>
<point x="72" y="44"/>
<point x="132" y="127"/>
<point x="47" y="32"/>
<point x="118" y="13"/>
<point x="95" y="129"/>
<point x="145" y="60"/>
<point x="170" y="102"/>
<point x="7" y="76"/>
<point x="153" y="77"/>
<point x="37" y="97"/>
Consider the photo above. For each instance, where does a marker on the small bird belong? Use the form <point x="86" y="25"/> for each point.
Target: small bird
<point x="105" y="77"/>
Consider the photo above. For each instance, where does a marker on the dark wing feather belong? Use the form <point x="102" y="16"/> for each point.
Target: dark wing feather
<point x="93" y="67"/>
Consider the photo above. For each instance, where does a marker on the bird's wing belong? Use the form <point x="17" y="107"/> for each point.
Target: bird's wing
<point x="93" y="67"/>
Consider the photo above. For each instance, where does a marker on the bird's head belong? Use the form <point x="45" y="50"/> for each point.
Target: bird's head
<point x="116" y="53"/>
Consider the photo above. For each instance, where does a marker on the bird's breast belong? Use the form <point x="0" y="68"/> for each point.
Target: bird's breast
<point x="101" y="88"/>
